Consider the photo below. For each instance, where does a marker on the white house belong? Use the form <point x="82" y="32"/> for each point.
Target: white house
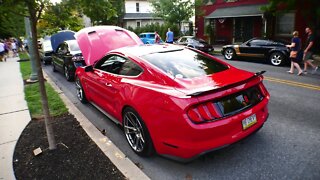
<point x="138" y="13"/>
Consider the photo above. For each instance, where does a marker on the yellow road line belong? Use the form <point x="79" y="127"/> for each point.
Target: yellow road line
<point x="293" y="83"/>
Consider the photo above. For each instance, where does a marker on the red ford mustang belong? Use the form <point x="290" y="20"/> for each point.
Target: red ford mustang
<point x="172" y="100"/>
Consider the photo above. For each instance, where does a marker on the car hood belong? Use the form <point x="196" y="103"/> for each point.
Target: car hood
<point x="215" y="81"/>
<point x="95" y="42"/>
<point x="60" y="37"/>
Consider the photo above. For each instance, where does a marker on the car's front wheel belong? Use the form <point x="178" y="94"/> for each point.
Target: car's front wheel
<point x="54" y="67"/>
<point x="276" y="58"/>
<point x="67" y="73"/>
<point x="137" y="133"/>
<point x="229" y="54"/>
<point x="80" y="92"/>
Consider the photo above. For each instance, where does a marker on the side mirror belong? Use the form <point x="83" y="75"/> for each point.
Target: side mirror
<point x="88" y="69"/>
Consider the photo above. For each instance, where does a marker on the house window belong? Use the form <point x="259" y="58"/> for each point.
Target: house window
<point x="285" y="24"/>
<point x="137" y="7"/>
<point x="138" y="24"/>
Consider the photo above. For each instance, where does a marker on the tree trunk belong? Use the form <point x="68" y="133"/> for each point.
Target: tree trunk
<point x="43" y="93"/>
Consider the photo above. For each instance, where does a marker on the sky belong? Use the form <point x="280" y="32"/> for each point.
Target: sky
<point x="55" y="1"/>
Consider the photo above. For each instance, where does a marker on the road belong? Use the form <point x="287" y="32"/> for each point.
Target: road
<point x="287" y="147"/>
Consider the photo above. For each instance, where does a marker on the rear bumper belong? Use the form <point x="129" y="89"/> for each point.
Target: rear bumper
<point x="186" y="160"/>
<point x="191" y="141"/>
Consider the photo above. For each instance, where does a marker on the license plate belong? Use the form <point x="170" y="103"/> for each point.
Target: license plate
<point x="249" y="121"/>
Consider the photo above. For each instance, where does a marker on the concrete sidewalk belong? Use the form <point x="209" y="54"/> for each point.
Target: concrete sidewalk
<point x="14" y="114"/>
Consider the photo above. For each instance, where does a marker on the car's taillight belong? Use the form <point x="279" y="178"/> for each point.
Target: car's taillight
<point x="204" y="112"/>
<point x="263" y="90"/>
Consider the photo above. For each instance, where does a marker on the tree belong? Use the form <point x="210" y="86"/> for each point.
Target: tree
<point x="60" y="16"/>
<point x="100" y="12"/>
<point x="33" y="9"/>
<point x="173" y="11"/>
<point x="12" y="25"/>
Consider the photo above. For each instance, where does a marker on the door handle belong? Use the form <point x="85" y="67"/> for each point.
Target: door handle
<point x="108" y="84"/>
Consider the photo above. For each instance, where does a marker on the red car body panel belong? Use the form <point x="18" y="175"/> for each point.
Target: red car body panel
<point x="96" y="41"/>
<point x="163" y="102"/>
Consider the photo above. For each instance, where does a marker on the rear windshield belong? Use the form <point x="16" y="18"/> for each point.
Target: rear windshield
<point x="184" y="63"/>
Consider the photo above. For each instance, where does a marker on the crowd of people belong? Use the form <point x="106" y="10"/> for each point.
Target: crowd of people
<point x="9" y="48"/>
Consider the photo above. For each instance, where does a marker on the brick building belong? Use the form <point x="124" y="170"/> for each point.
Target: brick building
<point x="234" y="21"/>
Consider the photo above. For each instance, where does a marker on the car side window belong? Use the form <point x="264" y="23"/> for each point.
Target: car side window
<point x="118" y="65"/>
<point x="258" y="42"/>
<point x="62" y="49"/>
<point x="129" y="68"/>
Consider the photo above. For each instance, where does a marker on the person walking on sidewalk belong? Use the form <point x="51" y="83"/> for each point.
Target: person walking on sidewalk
<point x="308" y="52"/>
<point x="169" y="36"/>
<point x="295" y="48"/>
<point x="2" y="51"/>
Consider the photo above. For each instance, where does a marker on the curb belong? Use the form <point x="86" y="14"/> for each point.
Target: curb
<point x="117" y="157"/>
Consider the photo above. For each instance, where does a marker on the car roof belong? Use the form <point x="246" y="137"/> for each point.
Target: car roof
<point x="147" y="33"/>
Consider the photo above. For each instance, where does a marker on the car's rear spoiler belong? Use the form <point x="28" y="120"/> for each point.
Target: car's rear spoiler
<point x="227" y="86"/>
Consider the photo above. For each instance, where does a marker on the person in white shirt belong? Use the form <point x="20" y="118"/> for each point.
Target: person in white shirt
<point x="2" y="50"/>
<point x="14" y="48"/>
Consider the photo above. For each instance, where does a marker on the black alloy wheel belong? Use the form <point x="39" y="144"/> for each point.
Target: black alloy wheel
<point x="136" y="133"/>
<point x="80" y="92"/>
<point x="67" y="73"/>
<point x="54" y="67"/>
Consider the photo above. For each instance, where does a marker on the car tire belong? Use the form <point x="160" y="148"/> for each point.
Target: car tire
<point x="229" y="54"/>
<point x="67" y="73"/>
<point x="136" y="133"/>
<point x="80" y="92"/>
<point x="276" y="58"/>
<point x="54" y="67"/>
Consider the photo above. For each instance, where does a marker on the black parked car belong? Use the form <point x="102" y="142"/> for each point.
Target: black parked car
<point x="67" y="58"/>
<point x="196" y="43"/>
<point x="275" y="52"/>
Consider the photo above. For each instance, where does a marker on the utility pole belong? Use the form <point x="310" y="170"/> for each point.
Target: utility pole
<point x="34" y="74"/>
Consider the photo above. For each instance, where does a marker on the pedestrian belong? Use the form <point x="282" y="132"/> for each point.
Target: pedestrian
<point x="157" y="38"/>
<point x="295" y="48"/>
<point x="7" y="46"/>
<point x="308" y="52"/>
<point x="14" y="47"/>
<point x="2" y="50"/>
<point x="169" y="36"/>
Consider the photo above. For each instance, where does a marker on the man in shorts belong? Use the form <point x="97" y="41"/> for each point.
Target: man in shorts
<point x="308" y="52"/>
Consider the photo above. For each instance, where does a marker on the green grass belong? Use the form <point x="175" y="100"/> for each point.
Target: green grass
<point x="25" y="68"/>
<point x="32" y="95"/>
<point x="23" y="55"/>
